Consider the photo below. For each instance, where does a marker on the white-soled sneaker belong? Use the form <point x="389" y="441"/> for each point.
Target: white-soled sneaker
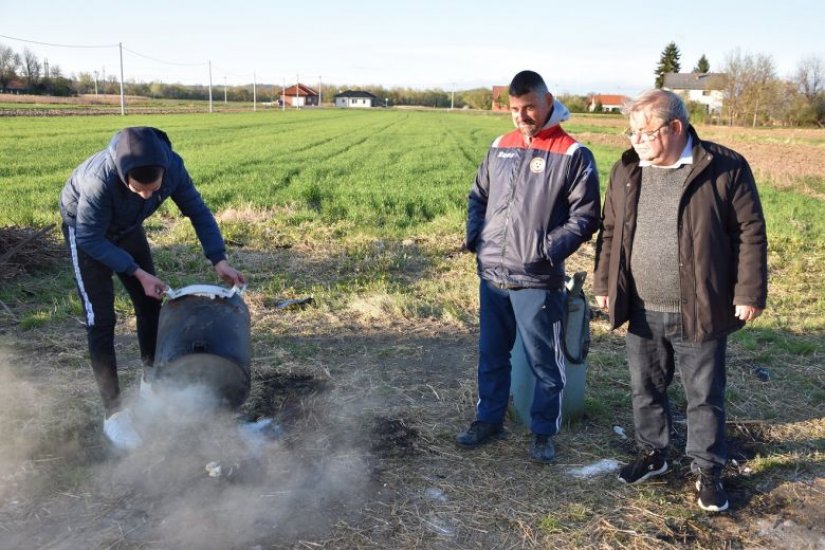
<point x="121" y="433"/>
<point x="146" y="392"/>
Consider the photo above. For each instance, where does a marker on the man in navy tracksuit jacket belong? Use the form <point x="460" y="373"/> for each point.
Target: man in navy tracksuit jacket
<point x="534" y="202"/>
<point x="103" y="205"/>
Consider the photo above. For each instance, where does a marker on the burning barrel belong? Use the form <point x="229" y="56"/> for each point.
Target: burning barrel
<point x="204" y="341"/>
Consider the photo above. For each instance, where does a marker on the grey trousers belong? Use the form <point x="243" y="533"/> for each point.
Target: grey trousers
<point x="654" y="348"/>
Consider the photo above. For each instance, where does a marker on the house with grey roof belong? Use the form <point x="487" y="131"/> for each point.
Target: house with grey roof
<point x="705" y="88"/>
<point x="355" y="98"/>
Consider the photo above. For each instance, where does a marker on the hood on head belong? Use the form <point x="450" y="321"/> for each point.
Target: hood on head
<point x="560" y="114"/>
<point x="139" y="146"/>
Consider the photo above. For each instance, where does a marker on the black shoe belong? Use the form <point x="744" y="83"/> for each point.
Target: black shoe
<point x="542" y="449"/>
<point x="479" y="432"/>
<point x="712" y="495"/>
<point x="649" y="464"/>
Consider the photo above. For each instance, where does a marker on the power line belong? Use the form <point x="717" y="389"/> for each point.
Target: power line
<point x="57" y="45"/>
<point x="162" y="61"/>
<point x="228" y="73"/>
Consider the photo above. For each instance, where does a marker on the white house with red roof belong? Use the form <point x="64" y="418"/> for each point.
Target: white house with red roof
<point x="300" y="95"/>
<point x="607" y="103"/>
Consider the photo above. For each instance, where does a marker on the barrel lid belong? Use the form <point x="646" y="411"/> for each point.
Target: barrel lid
<point x="209" y="291"/>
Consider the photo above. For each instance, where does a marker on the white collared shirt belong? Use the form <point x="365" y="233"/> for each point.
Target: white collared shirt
<point x="685" y="158"/>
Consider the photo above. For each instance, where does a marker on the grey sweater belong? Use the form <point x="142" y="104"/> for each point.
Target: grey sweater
<point x="654" y="263"/>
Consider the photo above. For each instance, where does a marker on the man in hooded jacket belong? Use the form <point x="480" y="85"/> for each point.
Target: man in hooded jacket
<point x="103" y="205"/>
<point x="534" y="202"/>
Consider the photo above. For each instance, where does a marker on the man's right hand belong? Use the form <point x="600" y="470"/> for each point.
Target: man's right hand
<point x="152" y="286"/>
<point x="601" y="301"/>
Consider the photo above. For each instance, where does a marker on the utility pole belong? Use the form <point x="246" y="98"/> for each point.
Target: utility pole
<point x="297" y="87"/>
<point x="452" y="97"/>
<point x="210" y="86"/>
<point x="122" y="97"/>
<point x="320" y="95"/>
<point x="254" y="93"/>
<point x="95" y="82"/>
<point x="283" y="96"/>
<point x="224" y="90"/>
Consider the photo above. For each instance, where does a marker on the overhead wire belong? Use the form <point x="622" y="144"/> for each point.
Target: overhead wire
<point x="59" y="45"/>
<point x="133" y="52"/>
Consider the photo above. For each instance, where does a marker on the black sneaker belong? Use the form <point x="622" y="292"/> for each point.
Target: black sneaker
<point x="479" y="432"/>
<point x="542" y="449"/>
<point x="712" y="495"/>
<point x="649" y="464"/>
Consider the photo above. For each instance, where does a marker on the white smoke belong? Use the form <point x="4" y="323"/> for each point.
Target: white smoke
<point x="274" y="486"/>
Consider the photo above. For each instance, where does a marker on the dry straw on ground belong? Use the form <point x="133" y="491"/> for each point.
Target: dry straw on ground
<point x="26" y="249"/>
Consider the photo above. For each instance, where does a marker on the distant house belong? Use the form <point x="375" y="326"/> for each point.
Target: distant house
<point x="501" y="100"/>
<point x="355" y="98"/>
<point x="607" y="103"/>
<point x="14" y="86"/>
<point x="705" y="88"/>
<point x="300" y="95"/>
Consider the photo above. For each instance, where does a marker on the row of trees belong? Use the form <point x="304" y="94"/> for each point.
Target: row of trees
<point x="38" y="77"/>
<point x="26" y="73"/>
<point x="755" y="94"/>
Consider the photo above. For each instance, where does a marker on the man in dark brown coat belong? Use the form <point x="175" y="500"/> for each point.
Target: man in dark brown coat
<point x="682" y="257"/>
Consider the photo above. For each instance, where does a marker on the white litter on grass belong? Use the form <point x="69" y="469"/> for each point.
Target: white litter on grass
<point x="436" y="494"/>
<point x="618" y="430"/>
<point x="216" y="469"/>
<point x="257" y="434"/>
<point x="439" y="526"/>
<point x="603" y="466"/>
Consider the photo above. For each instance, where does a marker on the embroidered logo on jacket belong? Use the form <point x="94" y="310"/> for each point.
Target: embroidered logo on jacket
<point x="537" y="165"/>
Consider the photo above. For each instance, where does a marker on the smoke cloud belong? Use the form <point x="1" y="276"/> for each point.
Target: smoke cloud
<point x="204" y="478"/>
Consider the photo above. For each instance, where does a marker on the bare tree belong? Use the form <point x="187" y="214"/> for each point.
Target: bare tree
<point x="9" y="65"/>
<point x="810" y="77"/>
<point x="809" y="82"/>
<point x="31" y="68"/>
<point x="752" y="88"/>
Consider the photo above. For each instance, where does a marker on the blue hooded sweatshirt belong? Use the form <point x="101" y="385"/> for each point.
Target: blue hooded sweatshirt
<point x="101" y="208"/>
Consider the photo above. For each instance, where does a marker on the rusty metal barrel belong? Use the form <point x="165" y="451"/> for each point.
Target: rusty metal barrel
<point x="204" y="342"/>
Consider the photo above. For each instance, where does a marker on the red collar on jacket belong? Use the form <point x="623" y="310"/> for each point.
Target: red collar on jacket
<point x="552" y="139"/>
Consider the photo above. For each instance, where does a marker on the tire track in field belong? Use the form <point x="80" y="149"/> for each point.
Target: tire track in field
<point x="346" y="148"/>
<point x="297" y="166"/>
<point x="471" y="157"/>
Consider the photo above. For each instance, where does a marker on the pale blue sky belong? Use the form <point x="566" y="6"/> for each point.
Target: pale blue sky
<point x="579" y="47"/>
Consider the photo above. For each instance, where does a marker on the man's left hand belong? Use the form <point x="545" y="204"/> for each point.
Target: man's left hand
<point x="229" y="274"/>
<point x="747" y="313"/>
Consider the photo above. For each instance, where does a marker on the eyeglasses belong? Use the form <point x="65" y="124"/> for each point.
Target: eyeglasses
<point x="647" y="137"/>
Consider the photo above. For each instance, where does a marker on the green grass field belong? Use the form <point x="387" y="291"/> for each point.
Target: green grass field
<point x="364" y="211"/>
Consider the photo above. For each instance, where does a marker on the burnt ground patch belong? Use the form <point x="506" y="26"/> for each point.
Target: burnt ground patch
<point x="747" y="440"/>
<point x="392" y="438"/>
<point x="281" y="395"/>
